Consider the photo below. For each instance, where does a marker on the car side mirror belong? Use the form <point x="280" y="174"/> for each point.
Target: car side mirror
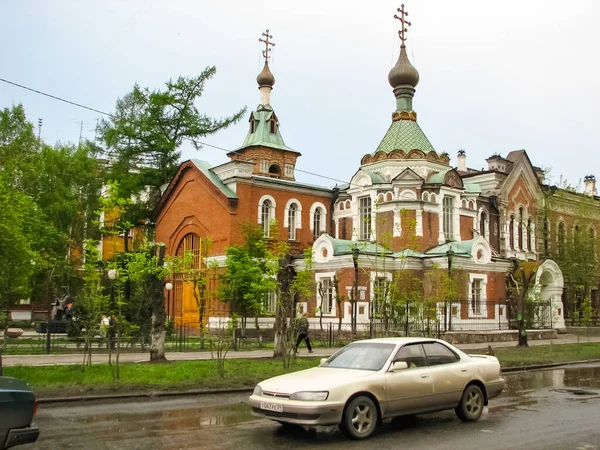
<point x="323" y="360"/>
<point x="398" y="365"/>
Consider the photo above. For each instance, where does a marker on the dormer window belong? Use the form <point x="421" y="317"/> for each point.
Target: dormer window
<point x="252" y="125"/>
<point x="273" y="125"/>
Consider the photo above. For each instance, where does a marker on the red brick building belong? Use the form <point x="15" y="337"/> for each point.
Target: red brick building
<point x="405" y="214"/>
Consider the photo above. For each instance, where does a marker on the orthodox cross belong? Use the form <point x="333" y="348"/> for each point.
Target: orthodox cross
<point x="267" y="40"/>
<point x="404" y="22"/>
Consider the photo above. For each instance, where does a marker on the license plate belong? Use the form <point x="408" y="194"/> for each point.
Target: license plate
<point x="271" y="406"/>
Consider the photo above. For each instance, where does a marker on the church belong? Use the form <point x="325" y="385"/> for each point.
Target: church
<point x="407" y="225"/>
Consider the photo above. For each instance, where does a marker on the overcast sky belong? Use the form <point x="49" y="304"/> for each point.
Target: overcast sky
<point x="495" y="76"/>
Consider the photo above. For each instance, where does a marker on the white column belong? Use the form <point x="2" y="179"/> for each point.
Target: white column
<point x="533" y="241"/>
<point x="515" y="242"/>
<point x="397" y="231"/>
<point x="419" y="225"/>
<point x="336" y="224"/>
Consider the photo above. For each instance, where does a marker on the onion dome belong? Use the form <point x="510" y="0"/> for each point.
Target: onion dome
<point x="403" y="73"/>
<point x="265" y="78"/>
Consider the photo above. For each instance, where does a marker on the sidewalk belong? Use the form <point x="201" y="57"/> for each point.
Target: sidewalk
<point x="139" y="357"/>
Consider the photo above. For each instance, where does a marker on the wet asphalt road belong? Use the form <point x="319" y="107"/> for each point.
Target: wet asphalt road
<point x="551" y="409"/>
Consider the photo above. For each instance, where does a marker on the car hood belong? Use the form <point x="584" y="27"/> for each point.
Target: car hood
<point x="315" y="379"/>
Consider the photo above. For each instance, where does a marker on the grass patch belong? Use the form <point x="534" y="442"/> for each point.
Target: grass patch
<point x="546" y="354"/>
<point x="51" y="381"/>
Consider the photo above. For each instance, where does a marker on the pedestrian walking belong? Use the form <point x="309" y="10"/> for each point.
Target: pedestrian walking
<point x="302" y="330"/>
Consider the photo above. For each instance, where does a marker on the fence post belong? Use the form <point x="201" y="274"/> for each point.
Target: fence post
<point x="48" y="337"/>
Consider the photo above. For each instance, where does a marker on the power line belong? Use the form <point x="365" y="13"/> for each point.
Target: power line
<point x="79" y="105"/>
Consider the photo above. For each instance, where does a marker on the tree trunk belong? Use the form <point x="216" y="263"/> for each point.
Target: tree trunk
<point x="157" y="334"/>
<point x="283" y="308"/>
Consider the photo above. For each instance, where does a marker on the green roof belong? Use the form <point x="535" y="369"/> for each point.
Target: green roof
<point x="438" y="178"/>
<point x="205" y="168"/>
<point x="344" y="247"/>
<point x="473" y="188"/>
<point x="405" y="135"/>
<point x="462" y="248"/>
<point x="262" y="135"/>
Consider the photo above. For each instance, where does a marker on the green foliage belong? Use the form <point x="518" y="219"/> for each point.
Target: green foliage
<point x="250" y="273"/>
<point x="92" y="302"/>
<point x="148" y="129"/>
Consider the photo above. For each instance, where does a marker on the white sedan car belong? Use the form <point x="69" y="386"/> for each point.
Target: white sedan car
<point x="372" y="380"/>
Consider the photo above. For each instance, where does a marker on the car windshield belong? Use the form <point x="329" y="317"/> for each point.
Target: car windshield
<point x="361" y="356"/>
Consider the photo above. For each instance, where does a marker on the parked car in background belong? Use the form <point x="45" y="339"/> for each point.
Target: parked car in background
<point x="17" y="408"/>
<point x="372" y="380"/>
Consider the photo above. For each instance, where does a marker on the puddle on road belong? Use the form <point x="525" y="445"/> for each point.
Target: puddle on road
<point x="523" y="383"/>
<point x="173" y="419"/>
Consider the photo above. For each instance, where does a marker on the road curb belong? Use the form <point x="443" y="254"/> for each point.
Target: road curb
<point x="202" y="392"/>
<point x="547" y="366"/>
<point x="141" y="395"/>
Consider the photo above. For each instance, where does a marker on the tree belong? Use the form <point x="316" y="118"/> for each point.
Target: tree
<point x="147" y="130"/>
<point x="92" y="302"/>
<point x="146" y="267"/>
<point x="519" y="282"/>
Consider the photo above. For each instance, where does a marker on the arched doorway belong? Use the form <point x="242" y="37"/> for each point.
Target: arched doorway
<point x="549" y="285"/>
<point x="185" y="307"/>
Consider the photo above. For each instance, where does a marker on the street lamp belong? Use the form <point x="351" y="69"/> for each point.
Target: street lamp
<point x="112" y="276"/>
<point x="169" y="288"/>
<point x="449" y="255"/>
<point x="355" y="253"/>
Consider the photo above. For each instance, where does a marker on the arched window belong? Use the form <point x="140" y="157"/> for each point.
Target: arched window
<point x="546" y="236"/>
<point x="192" y="244"/>
<point x="317" y="219"/>
<point x="388" y="197"/>
<point x="483" y="224"/>
<point x="511" y="233"/>
<point x="561" y="238"/>
<point x="576" y="238"/>
<point x="266" y="216"/>
<point x="273" y="125"/>
<point x="292" y="212"/>
<point x="529" y="232"/>
<point x="275" y="170"/>
<point x="520" y="229"/>
<point x="364" y="218"/>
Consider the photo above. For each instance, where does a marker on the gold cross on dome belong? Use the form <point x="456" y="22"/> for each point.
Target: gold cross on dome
<point x="267" y="41"/>
<point x="404" y="22"/>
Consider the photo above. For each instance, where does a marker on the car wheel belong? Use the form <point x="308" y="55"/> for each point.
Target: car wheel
<point x="360" y="418"/>
<point x="471" y="404"/>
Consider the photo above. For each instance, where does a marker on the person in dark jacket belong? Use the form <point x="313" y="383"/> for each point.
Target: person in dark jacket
<point x="302" y="330"/>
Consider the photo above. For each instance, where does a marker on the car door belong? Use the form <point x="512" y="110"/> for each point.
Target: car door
<point x="409" y="391"/>
<point x="448" y="373"/>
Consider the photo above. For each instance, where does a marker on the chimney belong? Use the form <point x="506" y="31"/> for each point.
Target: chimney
<point x="462" y="161"/>
<point x="590" y="185"/>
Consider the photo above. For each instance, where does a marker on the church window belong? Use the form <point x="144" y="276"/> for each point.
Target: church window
<point x="388" y="197"/>
<point x="511" y="232"/>
<point x="520" y="229"/>
<point x="252" y="125"/>
<point x="529" y="233"/>
<point x="317" y="219"/>
<point x="364" y="218"/>
<point x="576" y="237"/>
<point x="273" y="125"/>
<point x="326" y="296"/>
<point x="192" y="244"/>
<point x="546" y="237"/>
<point x="292" y="212"/>
<point x="448" y="218"/>
<point x="275" y="170"/>
<point x="266" y="216"/>
<point x="483" y="224"/>
<point x="561" y="238"/>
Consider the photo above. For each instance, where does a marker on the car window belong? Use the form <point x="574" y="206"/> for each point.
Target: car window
<point x="412" y="355"/>
<point x="363" y="356"/>
<point x="439" y="354"/>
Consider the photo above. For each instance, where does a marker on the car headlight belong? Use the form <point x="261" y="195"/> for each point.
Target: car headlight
<point x="310" y="396"/>
<point x="257" y="390"/>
